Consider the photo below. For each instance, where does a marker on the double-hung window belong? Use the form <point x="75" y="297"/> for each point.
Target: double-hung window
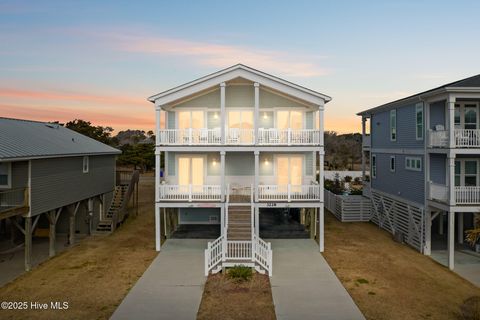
<point x="374" y="166"/>
<point x="85" y="164"/>
<point x="392" y="164"/>
<point x="419" y="121"/>
<point x="393" y="125"/>
<point x="5" y="174"/>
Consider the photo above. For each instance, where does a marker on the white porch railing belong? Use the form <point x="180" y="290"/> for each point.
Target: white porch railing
<point x="438" y="138"/>
<point x="223" y="250"/>
<point x="288" y="136"/>
<point x="190" y="192"/>
<point x="467" y="195"/>
<point x="467" y="138"/>
<point x="438" y="192"/>
<point x="463" y="138"/>
<point x="288" y="192"/>
<point x="240" y="136"/>
<point x="191" y="136"/>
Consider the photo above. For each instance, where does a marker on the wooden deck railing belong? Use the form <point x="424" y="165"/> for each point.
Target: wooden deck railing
<point x="12" y="199"/>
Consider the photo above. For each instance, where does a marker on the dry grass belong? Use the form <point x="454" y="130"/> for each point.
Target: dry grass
<point x="95" y="275"/>
<point x="226" y="299"/>
<point x="388" y="280"/>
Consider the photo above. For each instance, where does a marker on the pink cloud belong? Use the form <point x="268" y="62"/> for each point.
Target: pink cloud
<point x="69" y="96"/>
<point x="118" y="121"/>
<point x="220" y="55"/>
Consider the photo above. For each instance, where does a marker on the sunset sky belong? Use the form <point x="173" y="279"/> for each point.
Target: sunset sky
<point x="100" y="60"/>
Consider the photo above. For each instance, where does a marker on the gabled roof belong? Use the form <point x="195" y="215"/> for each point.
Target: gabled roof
<point x="236" y="71"/>
<point x="25" y="139"/>
<point x="471" y="82"/>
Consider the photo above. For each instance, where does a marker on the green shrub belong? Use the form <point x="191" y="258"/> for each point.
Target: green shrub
<point x="240" y="273"/>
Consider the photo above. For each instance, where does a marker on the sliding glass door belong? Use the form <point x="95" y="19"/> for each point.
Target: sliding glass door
<point x="290" y="170"/>
<point x="191" y="171"/>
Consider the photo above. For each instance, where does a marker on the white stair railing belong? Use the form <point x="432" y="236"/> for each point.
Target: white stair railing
<point x="214" y="254"/>
<point x="262" y="254"/>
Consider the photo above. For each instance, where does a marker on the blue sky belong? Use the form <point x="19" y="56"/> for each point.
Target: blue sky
<point x="99" y="61"/>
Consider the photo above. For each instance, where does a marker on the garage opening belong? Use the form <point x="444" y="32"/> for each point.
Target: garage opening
<point x="285" y="223"/>
<point x="197" y="223"/>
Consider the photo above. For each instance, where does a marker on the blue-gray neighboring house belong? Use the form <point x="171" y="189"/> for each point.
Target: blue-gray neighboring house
<point x="424" y="155"/>
<point x="52" y="178"/>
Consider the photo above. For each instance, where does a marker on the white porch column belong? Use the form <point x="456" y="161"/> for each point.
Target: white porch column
<point x="256" y="111"/>
<point x="451" y="239"/>
<point x="222" y="112"/>
<point x="157" y="227"/>
<point x="321" y="154"/>
<point x="158" y="154"/>
<point x="460" y="227"/>
<point x="257" y="169"/>
<point x="222" y="219"/>
<point x="222" y="174"/>
<point x="257" y="221"/>
<point x="451" y="179"/>
<point x="363" y="152"/>
<point x="427" y="249"/>
<point x="451" y="121"/>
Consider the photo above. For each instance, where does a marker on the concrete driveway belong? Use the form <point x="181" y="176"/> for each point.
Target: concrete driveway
<point x="172" y="286"/>
<point x="304" y="286"/>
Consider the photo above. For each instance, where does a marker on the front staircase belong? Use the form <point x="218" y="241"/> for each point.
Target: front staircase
<point x="238" y="244"/>
<point x="239" y="223"/>
<point x="117" y="211"/>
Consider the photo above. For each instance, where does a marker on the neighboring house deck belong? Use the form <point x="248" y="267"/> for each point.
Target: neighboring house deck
<point x="424" y="157"/>
<point x="52" y="178"/>
<point x="234" y="142"/>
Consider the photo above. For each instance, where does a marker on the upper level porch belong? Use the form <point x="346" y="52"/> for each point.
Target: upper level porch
<point x="239" y="193"/>
<point x="240" y="112"/>
<point x="238" y="136"/>
<point x="454" y="123"/>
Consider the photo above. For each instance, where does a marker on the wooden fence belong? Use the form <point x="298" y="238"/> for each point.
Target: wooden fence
<point x="348" y="208"/>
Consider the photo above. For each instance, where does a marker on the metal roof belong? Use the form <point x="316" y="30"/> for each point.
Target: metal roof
<point x="471" y="82"/>
<point x="25" y="139"/>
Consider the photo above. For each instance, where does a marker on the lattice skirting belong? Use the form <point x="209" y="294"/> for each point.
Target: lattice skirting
<point x="395" y="215"/>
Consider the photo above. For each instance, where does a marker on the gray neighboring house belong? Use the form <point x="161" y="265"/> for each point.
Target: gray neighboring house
<point x="424" y="155"/>
<point x="52" y="177"/>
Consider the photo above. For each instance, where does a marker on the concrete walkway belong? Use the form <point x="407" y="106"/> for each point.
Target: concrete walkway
<point x="172" y="286"/>
<point x="303" y="285"/>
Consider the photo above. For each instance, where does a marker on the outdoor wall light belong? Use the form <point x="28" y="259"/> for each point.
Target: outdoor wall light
<point x="215" y="115"/>
<point x="265" y="116"/>
<point x="214" y="162"/>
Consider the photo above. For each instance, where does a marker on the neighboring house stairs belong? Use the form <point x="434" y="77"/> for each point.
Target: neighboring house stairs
<point x="117" y="211"/>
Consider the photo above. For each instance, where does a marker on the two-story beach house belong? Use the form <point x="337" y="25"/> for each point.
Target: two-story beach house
<point x="235" y="142"/>
<point x="424" y="153"/>
<point x="55" y="179"/>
